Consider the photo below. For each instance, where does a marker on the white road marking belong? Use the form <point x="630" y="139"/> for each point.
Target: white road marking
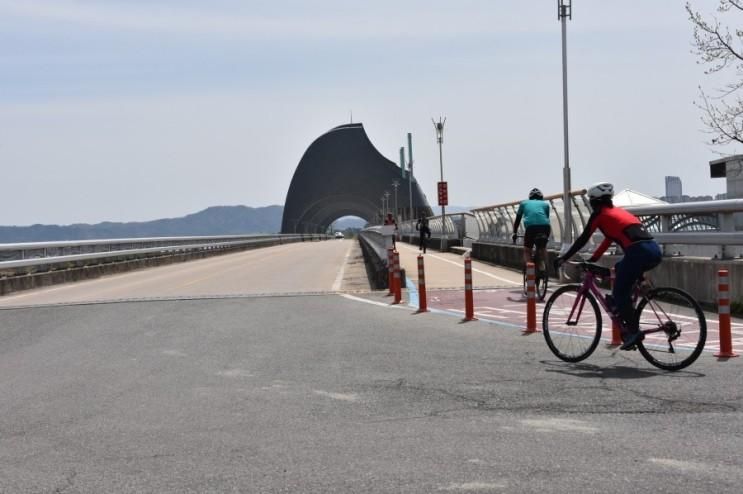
<point x="372" y="302"/>
<point x="342" y="270"/>
<point x="560" y="425"/>
<point x="235" y="373"/>
<point x="350" y="397"/>
<point x="475" y="486"/>
<point x="684" y="466"/>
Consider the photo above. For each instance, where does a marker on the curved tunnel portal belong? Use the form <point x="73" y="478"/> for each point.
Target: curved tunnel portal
<point x="343" y="174"/>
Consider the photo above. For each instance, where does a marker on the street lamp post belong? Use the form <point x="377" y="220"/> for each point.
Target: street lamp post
<point x="440" y="139"/>
<point x="565" y="12"/>
<point x="395" y="184"/>
<point x="410" y="174"/>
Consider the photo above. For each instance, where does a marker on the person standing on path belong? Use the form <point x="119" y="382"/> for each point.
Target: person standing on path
<point x="390" y="220"/>
<point x="424" y="233"/>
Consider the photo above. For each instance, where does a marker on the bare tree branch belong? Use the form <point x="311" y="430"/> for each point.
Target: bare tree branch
<point x="721" y="52"/>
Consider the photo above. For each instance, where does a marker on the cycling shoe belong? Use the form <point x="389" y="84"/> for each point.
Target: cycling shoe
<point x="630" y="343"/>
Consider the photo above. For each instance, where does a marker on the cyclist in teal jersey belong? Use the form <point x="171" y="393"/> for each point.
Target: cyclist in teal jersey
<point x="536" y="214"/>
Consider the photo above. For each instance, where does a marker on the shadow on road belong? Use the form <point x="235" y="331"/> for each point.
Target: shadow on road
<point x="612" y="372"/>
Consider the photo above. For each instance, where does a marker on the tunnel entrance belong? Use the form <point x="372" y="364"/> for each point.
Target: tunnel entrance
<point x="346" y="223"/>
<point x="342" y="174"/>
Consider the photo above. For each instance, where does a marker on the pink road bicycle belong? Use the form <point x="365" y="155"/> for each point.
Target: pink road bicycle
<point x="673" y="322"/>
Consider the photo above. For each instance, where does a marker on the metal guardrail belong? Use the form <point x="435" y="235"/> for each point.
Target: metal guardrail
<point x="33" y="254"/>
<point x="706" y="229"/>
<point x="462" y="227"/>
<point x="496" y="222"/>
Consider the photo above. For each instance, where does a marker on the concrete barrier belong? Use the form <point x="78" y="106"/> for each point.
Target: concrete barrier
<point x="376" y="264"/>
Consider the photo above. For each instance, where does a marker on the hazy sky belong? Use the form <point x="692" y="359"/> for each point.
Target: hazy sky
<point x="129" y="110"/>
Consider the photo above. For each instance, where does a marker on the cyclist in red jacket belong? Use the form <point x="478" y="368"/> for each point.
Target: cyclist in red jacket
<point x="641" y="253"/>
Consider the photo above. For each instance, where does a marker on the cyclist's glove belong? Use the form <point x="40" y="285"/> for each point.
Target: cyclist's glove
<point x="514" y="237"/>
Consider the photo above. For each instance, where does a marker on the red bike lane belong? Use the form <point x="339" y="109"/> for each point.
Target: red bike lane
<point x="507" y="307"/>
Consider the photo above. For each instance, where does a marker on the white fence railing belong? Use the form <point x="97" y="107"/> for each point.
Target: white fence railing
<point x="706" y="229"/>
<point x="462" y="227"/>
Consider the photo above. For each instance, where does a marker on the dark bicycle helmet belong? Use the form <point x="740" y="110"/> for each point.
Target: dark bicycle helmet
<point x="535" y="194"/>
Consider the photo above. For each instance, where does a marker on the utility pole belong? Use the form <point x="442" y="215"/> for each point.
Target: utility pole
<point x="565" y="12"/>
<point x="387" y="197"/>
<point x="443" y="192"/>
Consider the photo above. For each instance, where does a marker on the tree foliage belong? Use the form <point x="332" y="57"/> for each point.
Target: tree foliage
<point x="720" y="48"/>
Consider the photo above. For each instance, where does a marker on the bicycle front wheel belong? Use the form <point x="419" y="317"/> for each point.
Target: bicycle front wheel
<point x="571" y="327"/>
<point x="675" y="328"/>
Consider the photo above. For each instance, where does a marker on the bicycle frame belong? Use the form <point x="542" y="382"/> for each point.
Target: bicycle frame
<point x="589" y="285"/>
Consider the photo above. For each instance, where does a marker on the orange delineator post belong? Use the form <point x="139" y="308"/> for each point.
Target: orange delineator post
<point x="531" y="299"/>
<point x="390" y="271"/>
<point x="723" y="311"/>
<point x="422" y="304"/>
<point x="397" y="278"/>
<point x="469" y="306"/>
<point x="616" y="332"/>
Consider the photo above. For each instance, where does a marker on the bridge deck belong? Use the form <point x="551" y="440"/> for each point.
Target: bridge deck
<point x="328" y="394"/>
<point x="291" y="268"/>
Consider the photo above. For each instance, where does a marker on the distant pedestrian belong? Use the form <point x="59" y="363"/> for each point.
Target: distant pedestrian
<point x="390" y="220"/>
<point x="424" y="233"/>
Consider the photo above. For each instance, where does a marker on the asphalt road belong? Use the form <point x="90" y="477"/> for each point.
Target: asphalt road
<point x="303" y="267"/>
<point x="332" y="394"/>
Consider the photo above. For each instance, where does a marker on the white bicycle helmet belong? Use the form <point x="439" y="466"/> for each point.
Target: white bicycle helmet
<point x="601" y="190"/>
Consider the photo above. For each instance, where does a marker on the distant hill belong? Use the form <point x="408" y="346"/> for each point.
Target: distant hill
<point x="216" y="220"/>
<point x="346" y="223"/>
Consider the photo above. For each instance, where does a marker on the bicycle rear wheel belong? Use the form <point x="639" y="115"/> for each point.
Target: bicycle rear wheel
<point x="571" y="327"/>
<point x="675" y="328"/>
<point x="541" y="284"/>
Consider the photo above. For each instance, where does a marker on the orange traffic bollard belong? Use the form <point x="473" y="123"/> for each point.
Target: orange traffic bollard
<point x="397" y="278"/>
<point x="531" y="299"/>
<point x="390" y="271"/>
<point x="469" y="306"/>
<point x="616" y="332"/>
<point x="422" y="305"/>
<point x="723" y="311"/>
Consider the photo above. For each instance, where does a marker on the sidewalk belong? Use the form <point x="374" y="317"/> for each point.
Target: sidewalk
<point x="446" y="270"/>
